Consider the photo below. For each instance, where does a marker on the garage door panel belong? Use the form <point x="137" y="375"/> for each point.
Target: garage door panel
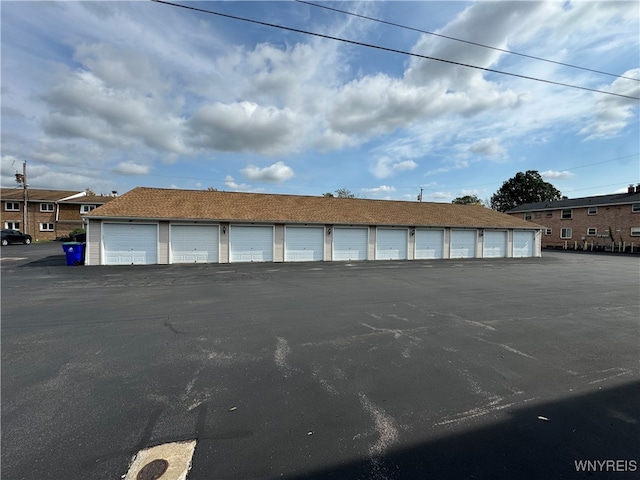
<point x="130" y="244"/>
<point x="251" y="243"/>
<point x="304" y="244"/>
<point x="494" y="244"/>
<point x="523" y="244"/>
<point x="391" y="244"/>
<point x="194" y="243"/>
<point x="429" y="244"/>
<point x="350" y="243"/>
<point x="463" y="243"/>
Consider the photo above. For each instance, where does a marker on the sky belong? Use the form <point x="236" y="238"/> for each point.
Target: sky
<point x="108" y="96"/>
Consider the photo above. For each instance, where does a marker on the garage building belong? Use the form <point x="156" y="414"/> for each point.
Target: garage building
<point x="165" y="226"/>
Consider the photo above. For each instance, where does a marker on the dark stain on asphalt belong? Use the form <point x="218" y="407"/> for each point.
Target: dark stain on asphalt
<point x="171" y="327"/>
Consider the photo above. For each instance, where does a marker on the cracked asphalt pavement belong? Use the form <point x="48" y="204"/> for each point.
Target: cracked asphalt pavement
<point x="500" y="369"/>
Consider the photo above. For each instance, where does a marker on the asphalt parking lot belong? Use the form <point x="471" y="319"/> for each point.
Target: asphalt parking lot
<point x="496" y="369"/>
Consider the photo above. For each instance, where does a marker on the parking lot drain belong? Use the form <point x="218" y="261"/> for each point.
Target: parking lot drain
<point x="168" y="461"/>
<point x="153" y="470"/>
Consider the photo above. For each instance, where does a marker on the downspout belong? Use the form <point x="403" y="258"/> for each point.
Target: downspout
<point x="57" y="218"/>
<point x="87" y="242"/>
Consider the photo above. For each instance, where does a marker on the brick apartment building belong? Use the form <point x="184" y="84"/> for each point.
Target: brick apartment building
<point x="50" y="214"/>
<point x="603" y="222"/>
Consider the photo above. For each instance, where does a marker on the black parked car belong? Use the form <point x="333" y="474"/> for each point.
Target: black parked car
<point x="15" y="236"/>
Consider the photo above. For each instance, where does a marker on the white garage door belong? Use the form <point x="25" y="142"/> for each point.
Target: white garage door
<point x="429" y="243"/>
<point x="194" y="243"/>
<point x="304" y="244"/>
<point x="130" y="244"/>
<point x="391" y="244"/>
<point x="523" y="243"/>
<point x="350" y="243"/>
<point x="251" y="244"/>
<point x="463" y="243"/>
<point x="494" y="244"/>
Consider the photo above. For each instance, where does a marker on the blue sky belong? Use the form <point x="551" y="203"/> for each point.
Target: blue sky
<point x="114" y="95"/>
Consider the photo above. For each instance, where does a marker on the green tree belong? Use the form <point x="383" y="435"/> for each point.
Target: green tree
<point x="467" y="200"/>
<point x="524" y="188"/>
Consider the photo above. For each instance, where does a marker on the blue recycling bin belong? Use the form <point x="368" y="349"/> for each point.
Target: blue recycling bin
<point x="75" y="253"/>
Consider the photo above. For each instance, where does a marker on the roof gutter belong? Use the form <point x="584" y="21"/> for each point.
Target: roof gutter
<point x="245" y="221"/>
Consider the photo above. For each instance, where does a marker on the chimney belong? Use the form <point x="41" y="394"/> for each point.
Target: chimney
<point x="631" y="189"/>
<point x="638" y="188"/>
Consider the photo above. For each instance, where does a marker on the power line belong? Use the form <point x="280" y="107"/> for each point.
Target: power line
<point x="392" y="50"/>
<point x="562" y="169"/>
<point x="465" y="41"/>
<point x="599" y="163"/>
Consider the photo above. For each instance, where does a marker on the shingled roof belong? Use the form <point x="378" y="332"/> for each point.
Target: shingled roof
<point x="35" y="195"/>
<point x="155" y="203"/>
<point x="595" y="201"/>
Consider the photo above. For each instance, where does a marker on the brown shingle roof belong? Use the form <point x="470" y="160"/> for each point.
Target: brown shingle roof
<point x="155" y="203"/>
<point x="35" y="195"/>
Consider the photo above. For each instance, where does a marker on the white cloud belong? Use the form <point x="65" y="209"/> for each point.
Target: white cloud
<point x="386" y="167"/>
<point x="83" y="106"/>
<point x="405" y="165"/>
<point x="230" y="182"/>
<point x="613" y="114"/>
<point x="489" y="147"/>
<point x="246" y="126"/>
<point x="556" y="175"/>
<point x="146" y="83"/>
<point x="130" y="168"/>
<point x="380" y="189"/>
<point x="276" y="173"/>
<point x="441" y="195"/>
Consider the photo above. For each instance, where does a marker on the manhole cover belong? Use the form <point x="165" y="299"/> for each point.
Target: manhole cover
<point x="153" y="470"/>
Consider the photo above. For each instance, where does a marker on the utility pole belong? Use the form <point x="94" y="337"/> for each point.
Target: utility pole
<point x="420" y="196"/>
<point x="25" y="196"/>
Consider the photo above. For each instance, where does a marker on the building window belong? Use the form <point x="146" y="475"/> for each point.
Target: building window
<point x="635" y="208"/>
<point x="87" y="208"/>
<point x="46" y="227"/>
<point x="592" y="211"/>
<point x="549" y="213"/>
<point x="12" y="206"/>
<point x="592" y="231"/>
<point x="527" y="215"/>
<point x="46" y="207"/>
<point x="567" y="213"/>
<point x="548" y="231"/>
<point x="565" y="233"/>
<point x="12" y="225"/>
<point x="635" y="231"/>
<point x="538" y="215"/>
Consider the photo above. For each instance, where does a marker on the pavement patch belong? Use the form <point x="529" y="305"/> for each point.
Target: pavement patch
<point x="169" y="461"/>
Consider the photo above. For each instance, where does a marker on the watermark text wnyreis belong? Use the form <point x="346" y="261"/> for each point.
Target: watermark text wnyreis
<point x="606" y="465"/>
